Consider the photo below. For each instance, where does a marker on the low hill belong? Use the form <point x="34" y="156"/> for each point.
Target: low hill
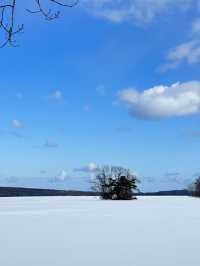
<point x="30" y="192"/>
<point x="182" y="192"/>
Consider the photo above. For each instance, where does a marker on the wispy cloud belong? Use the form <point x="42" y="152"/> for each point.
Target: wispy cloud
<point x="101" y="90"/>
<point x="62" y="176"/>
<point x="124" y="129"/>
<point x="90" y="168"/>
<point x="56" y="95"/>
<point x="142" y="12"/>
<point x="19" y="96"/>
<point x="17" y="123"/>
<point x="194" y="134"/>
<point x="148" y="179"/>
<point x="172" y="174"/>
<point x="186" y="52"/>
<point x="179" y="99"/>
<point x="138" y="11"/>
<point x="50" y="144"/>
<point x="43" y="172"/>
<point x="196" y="27"/>
<point x="14" y="133"/>
<point x="177" y="178"/>
<point x="86" y="108"/>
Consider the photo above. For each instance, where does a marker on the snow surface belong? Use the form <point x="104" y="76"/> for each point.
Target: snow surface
<point x="85" y="231"/>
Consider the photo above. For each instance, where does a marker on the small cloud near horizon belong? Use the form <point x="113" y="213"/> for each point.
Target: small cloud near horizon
<point x="62" y="176"/>
<point x="90" y="168"/>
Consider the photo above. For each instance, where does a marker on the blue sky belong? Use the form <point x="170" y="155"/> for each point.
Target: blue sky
<point x="110" y="82"/>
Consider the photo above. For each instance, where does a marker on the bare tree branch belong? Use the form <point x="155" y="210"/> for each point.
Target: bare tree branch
<point x="7" y="23"/>
<point x="7" y="17"/>
<point x="49" y="14"/>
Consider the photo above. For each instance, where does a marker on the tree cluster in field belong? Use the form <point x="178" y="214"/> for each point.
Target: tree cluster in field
<point x="115" y="183"/>
<point x="195" y="188"/>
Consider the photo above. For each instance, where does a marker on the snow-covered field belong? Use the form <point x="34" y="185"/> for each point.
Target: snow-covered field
<point x="85" y="231"/>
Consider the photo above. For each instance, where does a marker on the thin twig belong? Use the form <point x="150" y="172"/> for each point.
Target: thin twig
<point x="7" y="17"/>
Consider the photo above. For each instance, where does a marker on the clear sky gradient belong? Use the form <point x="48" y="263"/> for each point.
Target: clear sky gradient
<point x="82" y="91"/>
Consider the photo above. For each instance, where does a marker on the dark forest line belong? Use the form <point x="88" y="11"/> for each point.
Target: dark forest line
<point x="31" y="192"/>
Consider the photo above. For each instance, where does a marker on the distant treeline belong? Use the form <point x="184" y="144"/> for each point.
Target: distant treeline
<point x="182" y="192"/>
<point x="31" y="192"/>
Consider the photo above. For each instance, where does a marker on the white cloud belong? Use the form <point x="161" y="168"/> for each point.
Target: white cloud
<point x="56" y="95"/>
<point x="62" y="176"/>
<point x="17" y="124"/>
<point x="90" y="168"/>
<point x="142" y="11"/>
<point x="179" y="99"/>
